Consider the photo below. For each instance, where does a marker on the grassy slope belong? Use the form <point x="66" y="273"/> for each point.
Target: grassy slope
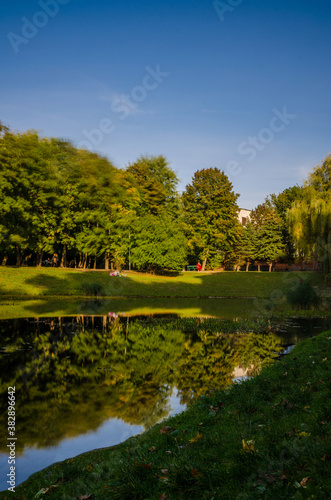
<point x="43" y="282"/>
<point x="283" y="416"/>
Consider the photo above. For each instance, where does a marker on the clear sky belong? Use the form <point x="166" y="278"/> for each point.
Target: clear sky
<point x="242" y="85"/>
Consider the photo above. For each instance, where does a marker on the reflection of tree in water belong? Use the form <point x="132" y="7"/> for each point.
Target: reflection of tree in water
<point x="255" y="350"/>
<point x="205" y="365"/>
<point x="70" y="378"/>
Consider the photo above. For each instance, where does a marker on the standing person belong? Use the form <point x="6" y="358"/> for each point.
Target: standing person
<point x="198" y="266"/>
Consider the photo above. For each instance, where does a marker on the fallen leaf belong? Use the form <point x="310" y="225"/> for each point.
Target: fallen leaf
<point x="303" y="483"/>
<point x="86" y="497"/>
<point x="214" y="409"/>
<point x="166" y="430"/>
<point x="324" y="360"/>
<point x="152" y="448"/>
<point x="248" y="445"/>
<point x="163" y="496"/>
<point x="284" y="374"/>
<point x="195" y="473"/>
<point x="165" y="471"/>
<point x="325" y="458"/>
<point x="304" y="434"/>
<point x="270" y="479"/>
<point x="194" y="440"/>
<point x="44" y="491"/>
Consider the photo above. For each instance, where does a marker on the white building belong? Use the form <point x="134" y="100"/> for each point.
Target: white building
<point x="244" y="215"/>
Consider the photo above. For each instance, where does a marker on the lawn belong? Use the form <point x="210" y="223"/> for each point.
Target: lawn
<point x="49" y="282"/>
<point x="267" y="437"/>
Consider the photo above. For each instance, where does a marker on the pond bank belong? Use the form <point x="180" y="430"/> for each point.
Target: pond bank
<point x="267" y="436"/>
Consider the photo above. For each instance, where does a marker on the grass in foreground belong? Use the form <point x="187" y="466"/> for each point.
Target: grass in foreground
<point x="43" y="282"/>
<point x="268" y="437"/>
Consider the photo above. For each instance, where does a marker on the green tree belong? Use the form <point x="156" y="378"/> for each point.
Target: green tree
<point x="158" y="243"/>
<point x="281" y="204"/>
<point x="309" y="219"/>
<point x="156" y="184"/>
<point x="211" y="214"/>
<point x="268" y="239"/>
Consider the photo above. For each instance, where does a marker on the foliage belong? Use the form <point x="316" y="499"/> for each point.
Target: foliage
<point x="158" y="243"/>
<point x="303" y="295"/>
<point x="93" y="288"/>
<point x="310" y="218"/>
<point x="268" y="234"/>
<point x="211" y="215"/>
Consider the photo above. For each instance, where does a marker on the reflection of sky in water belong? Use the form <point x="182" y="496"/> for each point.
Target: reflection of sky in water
<point x="111" y="432"/>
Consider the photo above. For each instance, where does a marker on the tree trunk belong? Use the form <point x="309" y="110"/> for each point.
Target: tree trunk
<point x="247" y="266"/>
<point x="39" y="258"/>
<point x="204" y="262"/>
<point x="64" y="257"/>
<point x="4" y="260"/>
<point x="85" y="261"/>
<point x="112" y="266"/>
<point x="107" y="261"/>
<point x="270" y="267"/>
<point x="95" y="262"/>
<point x="18" y="256"/>
<point x="259" y="267"/>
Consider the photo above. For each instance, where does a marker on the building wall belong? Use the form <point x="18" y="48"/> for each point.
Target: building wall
<point x="243" y="216"/>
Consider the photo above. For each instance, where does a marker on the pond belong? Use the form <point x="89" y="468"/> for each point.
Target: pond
<point x="89" y="381"/>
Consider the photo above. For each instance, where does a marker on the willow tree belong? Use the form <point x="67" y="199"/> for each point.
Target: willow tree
<point x="309" y="220"/>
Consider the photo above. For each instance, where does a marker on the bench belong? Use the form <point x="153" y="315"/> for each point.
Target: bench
<point x="191" y="268"/>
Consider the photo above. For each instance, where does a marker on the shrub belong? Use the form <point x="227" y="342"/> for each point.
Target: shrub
<point x="303" y="295"/>
<point x="95" y="289"/>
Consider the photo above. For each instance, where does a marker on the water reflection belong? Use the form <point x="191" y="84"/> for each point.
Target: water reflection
<point x="75" y="375"/>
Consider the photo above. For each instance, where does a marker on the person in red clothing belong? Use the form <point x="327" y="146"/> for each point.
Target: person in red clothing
<point x="198" y="266"/>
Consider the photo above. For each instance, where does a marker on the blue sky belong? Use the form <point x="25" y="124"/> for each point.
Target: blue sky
<point x="242" y="85"/>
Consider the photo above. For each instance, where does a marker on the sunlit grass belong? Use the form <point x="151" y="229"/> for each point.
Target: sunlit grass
<point x="43" y="282"/>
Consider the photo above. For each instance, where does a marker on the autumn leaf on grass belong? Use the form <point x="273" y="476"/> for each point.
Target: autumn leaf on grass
<point x="194" y="440"/>
<point x="86" y="497"/>
<point x="163" y="496"/>
<point x="45" y="491"/>
<point x="248" y="445"/>
<point x="303" y="483"/>
<point x="304" y="434"/>
<point x="152" y="448"/>
<point x="284" y="402"/>
<point x="166" y="430"/>
<point x="143" y="465"/>
<point x="195" y="473"/>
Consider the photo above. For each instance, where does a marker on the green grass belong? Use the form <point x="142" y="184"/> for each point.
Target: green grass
<point x="268" y="437"/>
<point x="43" y="282"/>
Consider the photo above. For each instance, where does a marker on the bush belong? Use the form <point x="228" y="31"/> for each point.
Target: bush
<point x="303" y="295"/>
<point x="94" y="289"/>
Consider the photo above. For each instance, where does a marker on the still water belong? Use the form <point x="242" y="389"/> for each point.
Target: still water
<point x="89" y="381"/>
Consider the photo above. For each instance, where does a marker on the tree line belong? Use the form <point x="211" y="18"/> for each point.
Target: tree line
<point x="58" y="200"/>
